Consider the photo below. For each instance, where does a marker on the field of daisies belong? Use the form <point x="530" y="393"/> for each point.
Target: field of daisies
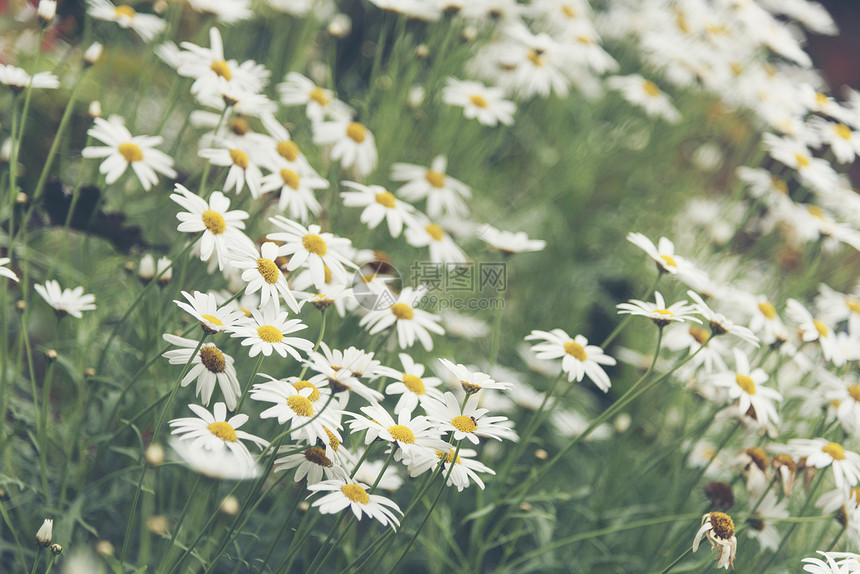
<point x="345" y="286"/>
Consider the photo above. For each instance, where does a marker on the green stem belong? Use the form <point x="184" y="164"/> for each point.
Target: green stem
<point x="686" y="553"/>
<point x="43" y="431"/>
<point x="317" y="344"/>
<point x="620" y="327"/>
<point x="14" y="532"/>
<point x="250" y="381"/>
<point x="36" y="561"/>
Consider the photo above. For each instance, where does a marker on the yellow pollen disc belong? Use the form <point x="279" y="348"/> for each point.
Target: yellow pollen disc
<point x="414" y="384"/>
<point x="853" y="304"/>
<point x="356" y="132"/>
<point x="314" y="244"/>
<point x="214" y="222"/>
<point x="651" y="88"/>
<point x="585" y="40"/>
<point x="239" y="158"/>
<point x="402" y="311"/>
<point x="436" y="232"/>
<point x="315" y="393"/>
<point x="568" y="11"/>
<point x="665" y="312"/>
<point x="355" y="493"/>
<point x="333" y="442"/>
<point x="821" y="328"/>
<point x="130" y="152"/>
<point x="288" y="150"/>
<point x="213" y="359"/>
<point x="802" y="160"/>
<point x="270" y="334"/>
<point x="240" y="126"/>
<point x="575" y="350"/>
<point x="125" y="11"/>
<point x="745" y="383"/>
<point x="722" y="525"/>
<point x="842" y="131"/>
<point x="402" y="433"/>
<point x="767" y="309"/>
<point x="317" y="456"/>
<point x="386" y="199"/>
<point x="478" y="101"/>
<point x="318" y="95"/>
<point x="815" y="211"/>
<point x="668" y="260"/>
<point x="699" y="334"/>
<point x="470" y="388"/>
<point x="737" y="68"/>
<point x="221" y="69"/>
<point x="300" y="405"/>
<point x="835" y="450"/>
<point x="327" y="272"/>
<point x="759" y="456"/>
<point x="854" y="391"/>
<point x="464" y="423"/>
<point x="820" y="98"/>
<point x="435" y="178"/>
<point x="213" y="319"/>
<point x="779" y="185"/>
<point x="449" y="457"/>
<point x="535" y="58"/>
<point x="290" y="178"/>
<point x="223" y="431"/>
<point x="268" y="270"/>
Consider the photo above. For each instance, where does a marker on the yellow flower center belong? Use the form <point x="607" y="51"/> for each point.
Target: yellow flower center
<point x="536" y="58"/>
<point x="288" y="150"/>
<point x="779" y="185"/>
<point x="385" y="199"/>
<point x="435" y="178"/>
<point x="650" y="88"/>
<point x="221" y="69"/>
<point x="402" y="433"/>
<point x="758" y="456"/>
<point x="125" y="11"/>
<point x="464" y="424"/>
<point x="722" y="525"/>
<point x="745" y="383"/>
<point x="568" y="11"/>
<point x="767" y="309"/>
<point x="317" y="456"/>
<point x="402" y="311"/>
<point x="327" y="274"/>
<point x="268" y="270"/>
<point x="665" y="312"/>
<point x="802" y="160"/>
<point x="290" y="178"/>
<point x="842" y="131"/>
<point x="575" y="350"/>
<point x="414" y="384"/>
<point x="820" y="98"/>
<point x="853" y="304"/>
<point x="333" y="441"/>
<point x="436" y="232"/>
<point x="270" y="334"/>
<point x="300" y="405"/>
<point x="130" y="152"/>
<point x="854" y="391"/>
<point x="699" y="334"/>
<point x="223" y="430"/>
<point x="470" y="388"/>
<point x="449" y="457"/>
<point x="314" y="244"/>
<point x="214" y="222"/>
<point x="356" y="132"/>
<point x="668" y="260"/>
<point x="478" y="101"/>
<point x="318" y="95"/>
<point x="213" y="319"/>
<point x="239" y="158"/>
<point x="213" y="359"/>
<point x="822" y="329"/>
<point x="240" y="126"/>
<point x="315" y="393"/>
<point x="835" y="450"/>
<point x="355" y="493"/>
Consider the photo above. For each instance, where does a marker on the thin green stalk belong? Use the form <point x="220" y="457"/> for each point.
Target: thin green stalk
<point x="36" y="561"/>
<point x="43" y="465"/>
<point x="14" y="531"/>
<point x="284" y="526"/>
<point x="256" y="370"/>
<point x="686" y="553"/>
<point x="42" y="431"/>
<point x="317" y="344"/>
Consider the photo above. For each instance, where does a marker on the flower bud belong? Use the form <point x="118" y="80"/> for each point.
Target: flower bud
<point x="46" y="12"/>
<point x="45" y="533"/>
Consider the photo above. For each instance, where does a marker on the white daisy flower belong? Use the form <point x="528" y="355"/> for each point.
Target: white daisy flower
<point x="215" y="433"/>
<point x="487" y="105"/>
<point x="473" y="381"/>
<point x="212" y="72"/>
<point x="667" y="261"/>
<point x="411" y="384"/>
<point x="413" y="437"/>
<point x="266" y="331"/>
<point x="296" y="191"/>
<point x="646" y="94"/>
<point x="204" y="307"/>
<point x="294" y="407"/>
<point x="334" y="370"/>
<point x="320" y="103"/>
<point x="147" y="26"/>
<point x="261" y="273"/>
<point x="352" y="144"/>
<point x="719" y="529"/>
<point x="470" y="423"/>
<point x="5" y="271"/>
<point x="320" y="252"/>
<point x="378" y="204"/>
<point x="763" y="529"/>
<point x="421" y="232"/>
<point x="657" y="311"/>
<point x="443" y="193"/>
<point x="311" y="464"/>
<point x="210" y="366"/>
<point x="66" y="301"/>
<point x="352" y="495"/>
<point x="244" y="170"/>
<point x="746" y="385"/>
<point x="222" y="229"/>
<point x="719" y="324"/>
<point x="820" y="453"/>
<point x="578" y="358"/>
<point x="411" y="323"/>
<point x="220" y="464"/>
<point x="124" y="150"/>
<point x="812" y="329"/>
<point x="465" y="470"/>
<point x="18" y="79"/>
<point x="834" y="307"/>
<point x="509" y="243"/>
